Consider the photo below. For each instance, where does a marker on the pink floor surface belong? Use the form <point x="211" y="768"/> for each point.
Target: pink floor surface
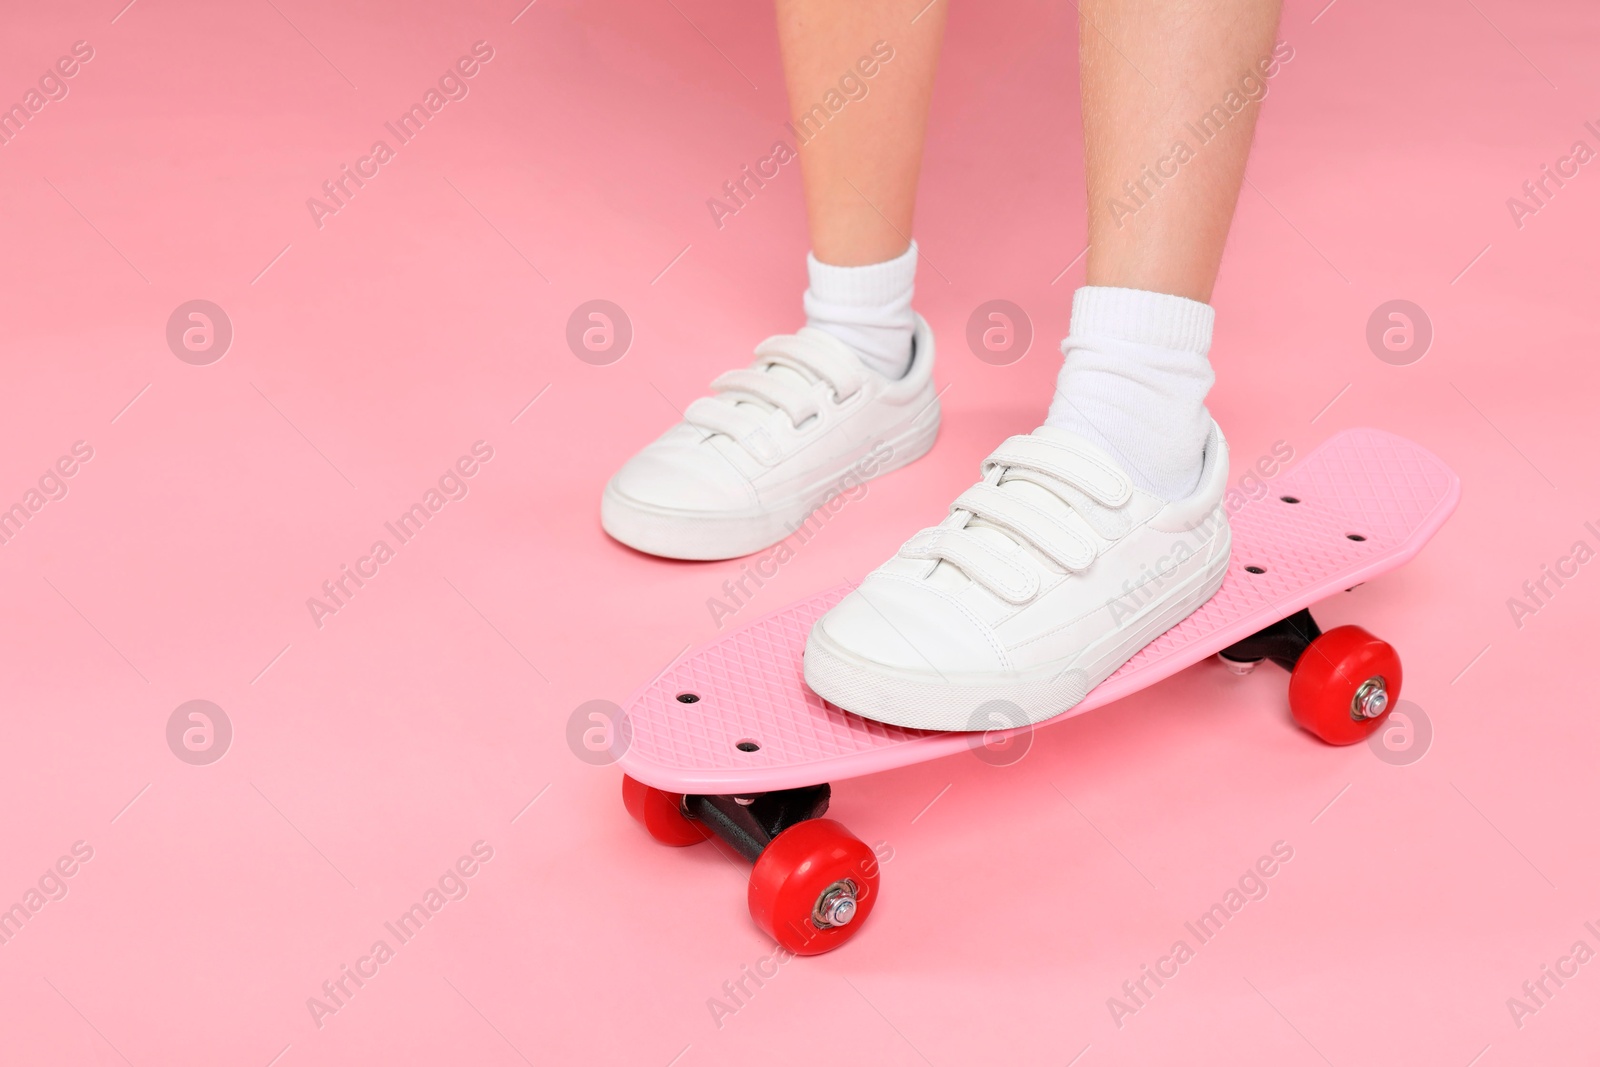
<point x="367" y="751"/>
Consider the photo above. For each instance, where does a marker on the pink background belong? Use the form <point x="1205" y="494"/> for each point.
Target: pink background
<point x="369" y="754"/>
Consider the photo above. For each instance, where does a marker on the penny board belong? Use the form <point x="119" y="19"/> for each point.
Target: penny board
<point x="1363" y="502"/>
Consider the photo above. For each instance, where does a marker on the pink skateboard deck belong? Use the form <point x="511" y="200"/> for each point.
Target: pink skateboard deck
<point x="736" y="716"/>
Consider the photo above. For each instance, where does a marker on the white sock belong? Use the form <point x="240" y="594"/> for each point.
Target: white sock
<point x="868" y="308"/>
<point x="1135" y="383"/>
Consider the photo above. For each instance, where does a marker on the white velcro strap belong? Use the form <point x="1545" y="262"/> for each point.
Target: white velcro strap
<point x="830" y="363"/>
<point x="1008" y="579"/>
<point x="749" y="430"/>
<point x="1046" y="532"/>
<point x="795" y="403"/>
<point x="1077" y="467"/>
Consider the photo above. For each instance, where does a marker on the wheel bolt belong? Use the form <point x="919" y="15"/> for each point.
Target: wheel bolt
<point x="836" y="906"/>
<point x="1371" y="700"/>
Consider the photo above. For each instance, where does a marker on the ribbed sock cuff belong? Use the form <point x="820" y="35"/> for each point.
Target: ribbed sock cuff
<point x="873" y="284"/>
<point x="1141" y="317"/>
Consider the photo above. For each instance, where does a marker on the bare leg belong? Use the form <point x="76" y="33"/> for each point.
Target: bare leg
<point x="871" y="148"/>
<point x="1148" y="68"/>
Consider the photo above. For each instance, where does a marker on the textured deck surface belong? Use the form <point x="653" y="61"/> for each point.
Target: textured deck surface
<point x="1379" y="487"/>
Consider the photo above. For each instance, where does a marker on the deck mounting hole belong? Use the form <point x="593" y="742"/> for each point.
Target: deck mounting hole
<point x="1290" y="499"/>
<point x="1253" y="569"/>
<point x="748" y="746"/>
<point x="1355" y="537"/>
<point x="688" y="698"/>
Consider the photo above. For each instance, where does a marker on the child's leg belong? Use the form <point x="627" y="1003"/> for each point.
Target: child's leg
<point x="860" y="162"/>
<point x="1167" y="235"/>
<point x="851" y="395"/>
<point x="1090" y="537"/>
<point x="1157" y="77"/>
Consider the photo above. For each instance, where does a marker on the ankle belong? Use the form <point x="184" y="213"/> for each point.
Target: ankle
<point x="868" y="308"/>
<point x="1135" y="381"/>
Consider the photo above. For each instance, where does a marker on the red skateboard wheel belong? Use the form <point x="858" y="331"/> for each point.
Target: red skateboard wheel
<point x="661" y="814"/>
<point x="1344" y="684"/>
<point x="813" y="887"/>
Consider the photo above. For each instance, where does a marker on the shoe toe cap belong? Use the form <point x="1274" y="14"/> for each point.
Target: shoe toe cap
<point x="908" y="626"/>
<point x="684" y="477"/>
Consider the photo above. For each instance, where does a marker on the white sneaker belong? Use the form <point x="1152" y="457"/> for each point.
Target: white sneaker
<point x="747" y="466"/>
<point x="1047" y="576"/>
